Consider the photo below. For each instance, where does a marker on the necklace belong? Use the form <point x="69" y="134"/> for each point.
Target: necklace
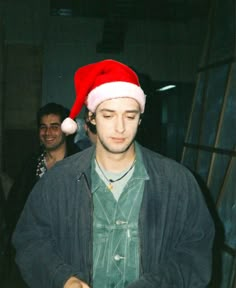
<point x="110" y="186"/>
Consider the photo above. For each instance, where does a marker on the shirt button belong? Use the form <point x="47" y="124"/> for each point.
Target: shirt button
<point x="118" y="257"/>
<point x="120" y="222"/>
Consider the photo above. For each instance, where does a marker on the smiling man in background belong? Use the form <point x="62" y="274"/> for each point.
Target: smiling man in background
<point x="54" y="146"/>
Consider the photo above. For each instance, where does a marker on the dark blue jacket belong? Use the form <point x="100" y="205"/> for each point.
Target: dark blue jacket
<point x="53" y="238"/>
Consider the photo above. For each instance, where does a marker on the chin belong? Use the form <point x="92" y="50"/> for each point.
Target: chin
<point x="51" y="148"/>
<point x="118" y="150"/>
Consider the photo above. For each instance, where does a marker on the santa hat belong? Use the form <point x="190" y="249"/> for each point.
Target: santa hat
<point x="101" y="81"/>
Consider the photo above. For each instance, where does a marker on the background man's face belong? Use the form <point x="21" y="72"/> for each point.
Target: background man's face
<point x="50" y="133"/>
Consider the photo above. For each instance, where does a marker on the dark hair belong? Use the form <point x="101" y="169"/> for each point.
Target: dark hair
<point x="52" y="108"/>
<point x="87" y="119"/>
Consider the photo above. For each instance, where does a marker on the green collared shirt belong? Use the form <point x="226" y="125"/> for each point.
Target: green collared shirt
<point x="115" y="229"/>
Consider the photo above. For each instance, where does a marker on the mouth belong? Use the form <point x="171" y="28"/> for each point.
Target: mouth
<point x="118" y="139"/>
<point x="49" y="140"/>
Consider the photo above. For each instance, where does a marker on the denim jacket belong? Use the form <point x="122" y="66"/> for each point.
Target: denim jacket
<point x="53" y="238"/>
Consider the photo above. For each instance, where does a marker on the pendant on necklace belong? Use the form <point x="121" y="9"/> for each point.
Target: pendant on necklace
<point x="110" y="186"/>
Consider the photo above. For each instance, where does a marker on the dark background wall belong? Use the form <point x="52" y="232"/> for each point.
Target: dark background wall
<point x="189" y="43"/>
<point x="44" y="42"/>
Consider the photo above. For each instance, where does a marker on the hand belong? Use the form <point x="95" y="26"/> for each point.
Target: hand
<point x="74" y="282"/>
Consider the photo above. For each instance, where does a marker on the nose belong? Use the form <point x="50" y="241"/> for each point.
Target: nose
<point x="47" y="130"/>
<point x="120" y="124"/>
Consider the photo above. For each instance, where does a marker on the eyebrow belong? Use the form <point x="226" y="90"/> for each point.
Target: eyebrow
<point x="54" y="123"/>
<point x="126" y="111"/>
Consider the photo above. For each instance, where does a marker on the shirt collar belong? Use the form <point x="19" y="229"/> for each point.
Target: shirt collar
<point x="140" y="171"/>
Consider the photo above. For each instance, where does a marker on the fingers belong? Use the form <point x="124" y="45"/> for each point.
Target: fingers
<point x="74" y="282"/>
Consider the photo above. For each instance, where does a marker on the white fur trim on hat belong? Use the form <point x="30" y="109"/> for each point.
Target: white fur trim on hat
<point x="113" y="90"/>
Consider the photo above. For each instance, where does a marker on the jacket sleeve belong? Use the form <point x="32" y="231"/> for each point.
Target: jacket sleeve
<point x="38" y="258"/>
<point x="181" y="254"/>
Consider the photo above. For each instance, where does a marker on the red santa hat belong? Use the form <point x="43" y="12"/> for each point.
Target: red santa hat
<point x="101" y="81"/>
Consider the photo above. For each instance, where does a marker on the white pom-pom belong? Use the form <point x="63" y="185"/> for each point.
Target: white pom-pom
<point x="69" y="126"/>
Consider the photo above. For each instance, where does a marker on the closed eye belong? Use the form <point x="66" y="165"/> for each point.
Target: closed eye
<point x="107" y="115"/>
<point x="131" y="116"/>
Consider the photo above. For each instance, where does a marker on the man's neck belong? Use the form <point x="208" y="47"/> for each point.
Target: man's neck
<point x="53" y="156"/>
<point x="115" y="162"/>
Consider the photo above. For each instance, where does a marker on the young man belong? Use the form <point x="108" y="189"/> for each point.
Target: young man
<point x="116" y="214"/>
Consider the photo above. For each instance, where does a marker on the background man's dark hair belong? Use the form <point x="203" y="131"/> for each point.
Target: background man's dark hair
<point x="52" y="108"/>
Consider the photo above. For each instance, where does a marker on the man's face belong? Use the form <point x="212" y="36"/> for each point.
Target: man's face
<point x="117" y="121"/>
<point x="50" y="133"/>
